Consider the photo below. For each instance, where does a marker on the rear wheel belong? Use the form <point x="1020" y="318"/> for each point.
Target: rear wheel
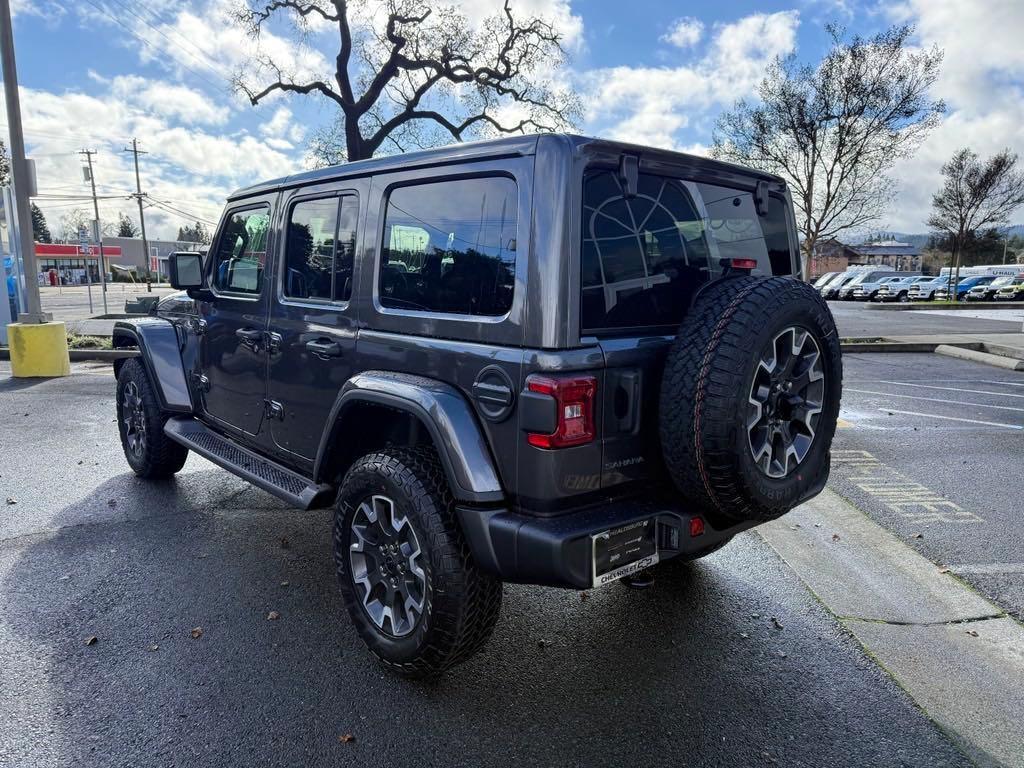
<point x="140" y="422"/>
<point x="750" y="398"/>
<point x="411" y="587"/>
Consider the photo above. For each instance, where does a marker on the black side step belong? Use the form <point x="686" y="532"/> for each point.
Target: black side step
<point x="290" y="486"/>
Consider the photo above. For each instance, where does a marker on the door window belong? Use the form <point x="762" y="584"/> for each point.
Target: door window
<point x="242" y="252"/>
<point x="320" y="249"/>
<point x="450" y="246"/>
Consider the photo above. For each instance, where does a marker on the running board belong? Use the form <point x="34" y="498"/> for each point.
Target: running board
<point x="290" y="486"/>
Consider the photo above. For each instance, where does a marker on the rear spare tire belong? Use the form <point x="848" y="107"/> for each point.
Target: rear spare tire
<point x="750" y="397"/>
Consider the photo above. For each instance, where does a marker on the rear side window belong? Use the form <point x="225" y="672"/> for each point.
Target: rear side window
<point x="320" y="249"/>
<point x="450" y="246"/>
<point x="242" y="252"/>
<point x="643" y="257"/>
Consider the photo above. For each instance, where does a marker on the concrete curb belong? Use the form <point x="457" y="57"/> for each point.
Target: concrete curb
<point x="887" y="346"/>
<point x="80" y="355"/>
<point x="999" y="361"/>
<point x="956" y="654"/>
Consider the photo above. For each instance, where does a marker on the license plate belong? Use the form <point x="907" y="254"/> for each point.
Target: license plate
<point x="622" y="551"/>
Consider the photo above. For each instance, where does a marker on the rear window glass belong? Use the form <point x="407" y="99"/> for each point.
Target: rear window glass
<point x="450" y="246"/>
<point x="644" y="257"/>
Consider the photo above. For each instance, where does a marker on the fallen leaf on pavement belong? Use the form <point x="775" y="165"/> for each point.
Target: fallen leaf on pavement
<point x="284" y="583"/>
<point x="584" y="595"/>
<point x="917" y="536"/>
<point x="943" y="570"/>
<point x="782" y="654"/>
<point x="777" y="623"/>
<point x="346" y="738"/>
<point x="11" y="500"/>
<point x="273" y="616"/>
<point x="154" y="647"/>
<point x="972" y="633"/>
<point x="91" y="640"/>
<point x="196" y="633"/>
<point x="835" y="537"/>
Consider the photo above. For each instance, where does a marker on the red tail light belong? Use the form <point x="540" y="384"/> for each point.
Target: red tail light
<point x="744" y="263"/>
<point x="574" y="401"/>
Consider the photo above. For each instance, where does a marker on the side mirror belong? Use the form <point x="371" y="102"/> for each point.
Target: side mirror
<point x="185" y="270"/>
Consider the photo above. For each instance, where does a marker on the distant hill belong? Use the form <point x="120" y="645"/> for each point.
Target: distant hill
<point x="920" y="240"/>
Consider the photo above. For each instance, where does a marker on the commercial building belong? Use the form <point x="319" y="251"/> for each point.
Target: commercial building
<point x="891" y="253"/>
<point x="832" y="256"/>
<point x="71" y="264"/>
<point x="131" y="255"/>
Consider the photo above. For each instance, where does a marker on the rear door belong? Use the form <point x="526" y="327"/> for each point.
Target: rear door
<point x="643" y="259"/>
<point x="312" y="335"/>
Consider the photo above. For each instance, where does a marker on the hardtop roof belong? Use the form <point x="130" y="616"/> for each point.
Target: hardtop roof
<point x="506" y="146"/>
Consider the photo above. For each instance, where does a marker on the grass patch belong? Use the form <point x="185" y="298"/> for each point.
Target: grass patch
<point x="76" y="341"/>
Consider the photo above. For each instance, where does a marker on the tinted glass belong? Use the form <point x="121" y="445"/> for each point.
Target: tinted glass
<point x="741" y="233"/>
<point x="242" y="252"/>
<point x="309" y="254"/>
<point x="320" y="250"/>
<point x="642" y="257"/>
<point x="344" y="257"/>
<point x="450" y="246"/>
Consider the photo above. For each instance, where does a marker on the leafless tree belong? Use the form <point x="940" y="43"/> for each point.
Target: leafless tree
<point x="975" y="195"/>
<point x="834" y="130"/>
<point x="409" y="74"/>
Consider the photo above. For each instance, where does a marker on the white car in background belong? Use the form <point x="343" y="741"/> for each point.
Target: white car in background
<point x="899" y="290"/>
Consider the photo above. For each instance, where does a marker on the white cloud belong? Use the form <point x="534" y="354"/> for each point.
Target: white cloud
<point x="981" y="82"/>
<point x="171" y="100"/>
<point x="649" y="105"/>
<point x="684" y="33"/>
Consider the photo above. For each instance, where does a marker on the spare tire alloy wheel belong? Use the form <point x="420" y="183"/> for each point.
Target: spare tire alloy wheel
<point x="385" y="560"/>
<point x="785" y="402"/>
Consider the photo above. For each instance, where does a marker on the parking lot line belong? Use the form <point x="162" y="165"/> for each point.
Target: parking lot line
<point x="932" y="399"/>
<point x="952" y="418"/>
<point x="953" y="389"/>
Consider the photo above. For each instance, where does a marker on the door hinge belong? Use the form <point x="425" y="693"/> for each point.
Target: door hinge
<point x="273" y="410"/>
<point x="200" y="383"/>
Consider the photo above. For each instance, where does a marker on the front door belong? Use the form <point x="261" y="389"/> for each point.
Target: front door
<point x="313" y="328"/>
<point x="234" y="349"/>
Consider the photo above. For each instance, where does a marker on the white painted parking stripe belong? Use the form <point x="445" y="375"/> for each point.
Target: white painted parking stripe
<point x="953" y="389"/>
<point x="932" y="399"/>
<point x="952" y="418"/>
<point x="1004" y="383"/>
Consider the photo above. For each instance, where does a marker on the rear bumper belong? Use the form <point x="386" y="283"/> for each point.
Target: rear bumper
<point x="558" y="551"/>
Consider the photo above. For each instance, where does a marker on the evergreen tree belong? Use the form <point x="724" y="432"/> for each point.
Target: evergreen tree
<point x="40" y="229"/>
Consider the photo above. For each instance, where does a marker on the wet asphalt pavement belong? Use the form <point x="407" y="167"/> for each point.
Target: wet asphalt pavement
<point x="933" y="448"/>
<point x="691" y="672"/>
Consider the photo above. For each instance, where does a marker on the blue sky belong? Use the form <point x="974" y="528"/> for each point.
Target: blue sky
<point x="98" y="72"/>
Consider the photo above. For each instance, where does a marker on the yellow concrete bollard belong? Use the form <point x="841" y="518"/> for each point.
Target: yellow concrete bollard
<point x="38" y="349"/>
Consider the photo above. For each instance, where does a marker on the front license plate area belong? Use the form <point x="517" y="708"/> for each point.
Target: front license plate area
<point x="622" y="551"/>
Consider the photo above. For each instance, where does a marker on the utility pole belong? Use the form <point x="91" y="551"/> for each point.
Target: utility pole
<point x="99" y="232"/>
<point x="138" y="196"/>
<point x="33" y="310"/>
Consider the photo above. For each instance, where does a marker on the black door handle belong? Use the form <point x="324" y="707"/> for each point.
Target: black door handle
<point x="324" y="348"/>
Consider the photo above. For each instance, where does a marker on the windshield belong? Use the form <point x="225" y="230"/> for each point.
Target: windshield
<point x="1000" y="281"/>
<point x="826" y="278"/>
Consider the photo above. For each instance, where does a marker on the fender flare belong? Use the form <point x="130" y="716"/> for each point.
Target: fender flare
<point x="442" y="410"/>
<point x="157" y="342"/>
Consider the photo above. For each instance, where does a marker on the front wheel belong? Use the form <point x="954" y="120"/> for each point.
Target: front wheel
<point x="140" y="422"/>
<point x="407" y="577"/>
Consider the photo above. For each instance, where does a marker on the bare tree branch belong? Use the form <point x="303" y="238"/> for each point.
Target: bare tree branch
<point x="420" y="65"/>
<point x="832" y="131"/>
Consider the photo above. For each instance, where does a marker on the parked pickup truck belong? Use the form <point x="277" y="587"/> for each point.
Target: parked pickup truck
<point x="547" y="360"/>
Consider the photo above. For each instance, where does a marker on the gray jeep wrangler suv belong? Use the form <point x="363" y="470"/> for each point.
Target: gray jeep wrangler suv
<point x="542" y="359"/>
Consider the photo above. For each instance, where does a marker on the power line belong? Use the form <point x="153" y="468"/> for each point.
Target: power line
<point x="146" y="42"/>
